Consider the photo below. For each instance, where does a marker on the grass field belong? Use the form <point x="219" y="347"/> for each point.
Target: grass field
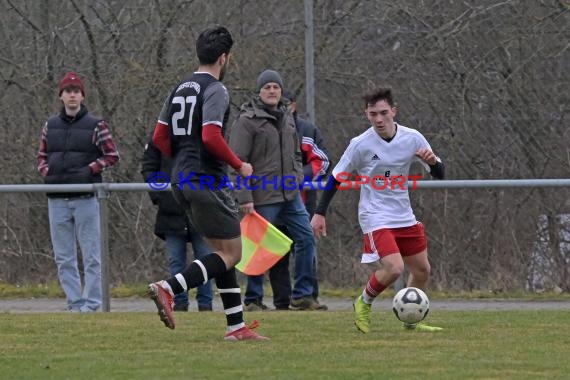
<point x="303" y="345"/>
<point x="54" y="290"/>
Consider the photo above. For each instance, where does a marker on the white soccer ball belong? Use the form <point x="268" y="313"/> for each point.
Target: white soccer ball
<point x="410" y="305"/>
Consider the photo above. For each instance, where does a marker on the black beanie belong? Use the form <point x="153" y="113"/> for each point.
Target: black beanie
<point x="288" y="94"/>
<point x="269" y="76"/>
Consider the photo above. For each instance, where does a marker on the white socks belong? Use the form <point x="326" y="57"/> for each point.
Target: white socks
<point x="366" y="298"/>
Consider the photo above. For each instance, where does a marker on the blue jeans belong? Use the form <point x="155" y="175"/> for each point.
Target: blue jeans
<point x="73" y="220"/>
<point x="294" y="216"/>
<point x="176" y="248"/>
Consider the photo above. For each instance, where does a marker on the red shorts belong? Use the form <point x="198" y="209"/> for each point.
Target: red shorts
<point x="407" y="241"/>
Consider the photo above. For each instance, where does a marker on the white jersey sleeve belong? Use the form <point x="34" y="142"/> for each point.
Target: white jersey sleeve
<point x="421" y="142"/>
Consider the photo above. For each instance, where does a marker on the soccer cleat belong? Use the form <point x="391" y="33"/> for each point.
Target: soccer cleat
<point x="422" y="327"/>
<point x="362" y="311"/>
<point x="164" y="303"/>
<point x="245" y="333"/>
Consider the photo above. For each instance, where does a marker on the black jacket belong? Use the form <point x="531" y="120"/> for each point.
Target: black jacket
<point x="70" y="150"/>
<point x="171" y="217"/>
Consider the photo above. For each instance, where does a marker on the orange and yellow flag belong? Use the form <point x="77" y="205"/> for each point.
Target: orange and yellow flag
<point x="263" y="245"/>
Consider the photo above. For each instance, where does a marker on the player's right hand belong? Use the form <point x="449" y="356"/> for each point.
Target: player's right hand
<point x="319" y="224"/>
<point x="246" y="208"/>
<point x="245" y="170"/>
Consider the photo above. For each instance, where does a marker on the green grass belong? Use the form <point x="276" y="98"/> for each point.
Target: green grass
<point x="53" y="290"/>
<point x="303" y="345"/>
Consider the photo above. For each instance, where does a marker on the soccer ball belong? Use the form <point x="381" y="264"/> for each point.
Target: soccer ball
<point x="410" y="305"/>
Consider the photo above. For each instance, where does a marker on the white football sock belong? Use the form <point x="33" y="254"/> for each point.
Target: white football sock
<point x="366" y="298"/>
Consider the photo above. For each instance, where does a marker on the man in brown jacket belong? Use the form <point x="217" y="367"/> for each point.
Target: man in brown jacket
<point x="264" y="135"/>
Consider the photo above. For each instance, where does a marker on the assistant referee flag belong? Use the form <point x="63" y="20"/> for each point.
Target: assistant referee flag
<point x="263" y="245"/>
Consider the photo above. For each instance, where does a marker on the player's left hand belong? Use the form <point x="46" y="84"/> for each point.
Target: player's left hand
<point x="427" y="155"/>
<point x="319" y="224"/>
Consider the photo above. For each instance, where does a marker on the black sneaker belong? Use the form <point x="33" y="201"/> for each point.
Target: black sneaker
<point x="180" y="307"/>
<point x="204" y="307"/>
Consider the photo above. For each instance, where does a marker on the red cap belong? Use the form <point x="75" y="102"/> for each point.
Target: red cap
<point x="71" y="79"/>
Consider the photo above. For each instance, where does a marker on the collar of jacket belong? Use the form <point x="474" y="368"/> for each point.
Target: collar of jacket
<point x="69" y="119"/>
<point x="256" y="108"/>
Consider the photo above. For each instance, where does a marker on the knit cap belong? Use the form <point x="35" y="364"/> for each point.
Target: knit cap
<point x="269" y="76"/>
<point x="71" y="79"/>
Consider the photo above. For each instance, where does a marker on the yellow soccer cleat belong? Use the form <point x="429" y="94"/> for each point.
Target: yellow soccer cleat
<point x="362" y="312"/>
<point x="422" y="327"/>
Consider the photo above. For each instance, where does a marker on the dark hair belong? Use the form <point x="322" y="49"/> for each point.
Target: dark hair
<point x="380" y="93"/>
<point x="212" y="43"/>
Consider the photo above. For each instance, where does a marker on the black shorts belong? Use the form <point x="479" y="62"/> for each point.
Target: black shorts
<point x="213" y="212"/>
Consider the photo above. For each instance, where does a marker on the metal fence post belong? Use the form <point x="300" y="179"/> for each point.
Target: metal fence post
<point x="102" y="196"/>
<point x="310" y="59"/>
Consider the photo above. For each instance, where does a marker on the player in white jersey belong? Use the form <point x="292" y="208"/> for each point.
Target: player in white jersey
<point x="381" y="158"/>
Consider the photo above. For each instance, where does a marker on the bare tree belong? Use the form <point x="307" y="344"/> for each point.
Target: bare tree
<point x="485" y="81"/>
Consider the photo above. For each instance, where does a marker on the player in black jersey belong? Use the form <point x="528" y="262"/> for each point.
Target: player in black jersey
<point x="191" y="128"/>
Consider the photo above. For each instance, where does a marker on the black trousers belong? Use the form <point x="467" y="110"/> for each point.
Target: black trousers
<point x="280" y="279"/>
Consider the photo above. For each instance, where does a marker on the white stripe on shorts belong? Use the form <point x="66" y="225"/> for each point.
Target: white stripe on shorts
<point x="370" y="257"/>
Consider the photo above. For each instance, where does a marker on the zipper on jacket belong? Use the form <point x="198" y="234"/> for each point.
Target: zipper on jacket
<point x="65" y="149"/>
<point x="282" y="170"/>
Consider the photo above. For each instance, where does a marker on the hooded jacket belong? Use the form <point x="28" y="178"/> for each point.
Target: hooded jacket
<point x="170" y="217"/>
<point x="268" y="141"/>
